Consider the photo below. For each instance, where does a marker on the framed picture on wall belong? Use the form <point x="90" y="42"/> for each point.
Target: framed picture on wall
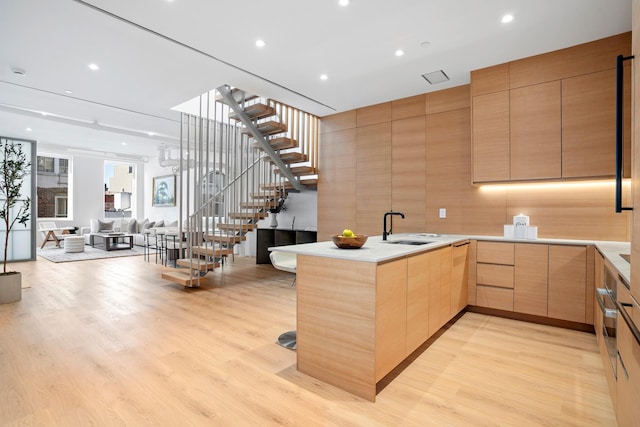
<point x="164" y="191"/>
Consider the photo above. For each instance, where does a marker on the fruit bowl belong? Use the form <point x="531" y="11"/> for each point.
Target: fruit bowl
<point x="354" y="242"/>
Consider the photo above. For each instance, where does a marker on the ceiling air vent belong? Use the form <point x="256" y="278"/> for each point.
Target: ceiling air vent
<point x="435" y="77"/>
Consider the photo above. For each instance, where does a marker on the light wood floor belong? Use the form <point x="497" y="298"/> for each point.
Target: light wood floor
<point x="109" y="343"/>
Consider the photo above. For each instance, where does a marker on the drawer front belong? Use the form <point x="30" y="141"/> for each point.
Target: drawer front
<point x="496" y="253"/>
<point x="495" y="275"/>
<point x="498" y="298"/>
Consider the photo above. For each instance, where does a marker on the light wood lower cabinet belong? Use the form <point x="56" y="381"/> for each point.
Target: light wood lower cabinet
<point x="494" y="275"/>
<point x="531" y="274"/>
<point x="418" y="300"/>
<point x="534" y="278"/>
<point x="459" y="277"/>
<point x="567" y="283"/>
<point x="628" y="365"/>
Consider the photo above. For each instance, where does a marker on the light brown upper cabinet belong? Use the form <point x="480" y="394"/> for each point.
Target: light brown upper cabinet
<point x="490" y="137"/>
<point x="558" y="118"/>
<point x="535" y="122"/>
<point x="588" y="125"/>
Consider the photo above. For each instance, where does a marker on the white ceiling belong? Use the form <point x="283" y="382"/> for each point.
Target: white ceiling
<point x="156" y="54"/>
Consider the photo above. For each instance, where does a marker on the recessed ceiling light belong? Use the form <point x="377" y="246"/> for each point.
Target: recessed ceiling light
<point x="94" y="67"/>
<point x="150" y="133"/>
<point x="343" y="3"/>
<point x="29" y="129"/>
<point x="68" y="91"/>
<point x="507" y="18"/>
<point x="124" y="143"/>
<point x="44" y="113"/>
<point x="323" y="77"/>
<point x="399" y="52"/>
<point x="260" y="43"/>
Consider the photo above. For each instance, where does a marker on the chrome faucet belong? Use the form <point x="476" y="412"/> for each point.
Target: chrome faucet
<point x="385" y="233"/>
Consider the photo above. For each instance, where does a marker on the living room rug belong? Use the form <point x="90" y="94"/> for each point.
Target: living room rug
<point x="54" y="254"/>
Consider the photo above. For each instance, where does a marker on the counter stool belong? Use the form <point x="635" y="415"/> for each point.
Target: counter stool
<point x="286" y="262"/>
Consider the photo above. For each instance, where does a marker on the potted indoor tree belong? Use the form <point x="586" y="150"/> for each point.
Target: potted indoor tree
<point x="14" y="166"/>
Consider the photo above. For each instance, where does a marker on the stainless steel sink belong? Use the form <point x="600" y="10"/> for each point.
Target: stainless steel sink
<point x="407" y="242"/>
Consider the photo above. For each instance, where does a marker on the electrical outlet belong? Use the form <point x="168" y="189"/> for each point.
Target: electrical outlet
<point x="443" y="212"/>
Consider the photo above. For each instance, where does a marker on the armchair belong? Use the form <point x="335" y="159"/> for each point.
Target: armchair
<point x="51" y="233"/>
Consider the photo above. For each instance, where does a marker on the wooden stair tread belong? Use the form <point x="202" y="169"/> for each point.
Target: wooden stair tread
<point x="258" y="204"/>
<point x="266" y="195"/>
<point x="198" y="264"/>
<point x="255" y="111"/>
<point x="290" y="157"/>
<point x="247" y="215"/>
<point x="279" y="143"/>
<point x="181" y="277"/>
<point x="210" y="251"/>
<point x="270" y="127"/>
<point x="300" y="170"/>
<point x="310" y="183"/>
<point x="236" y="227"/>
<point x="225" y="239"/>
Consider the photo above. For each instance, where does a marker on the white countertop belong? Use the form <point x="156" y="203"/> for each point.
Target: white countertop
<point x="376" y="250"/>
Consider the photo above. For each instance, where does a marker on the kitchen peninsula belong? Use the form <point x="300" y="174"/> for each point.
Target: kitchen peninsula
<point x="361" y="312"/>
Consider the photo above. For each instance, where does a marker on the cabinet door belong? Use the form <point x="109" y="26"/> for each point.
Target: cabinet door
<point x="531" y="274"/>
<point x="490" y="132"/>
<point x="588" y="125"/>
<point x="628" y="370"/>
<point x="418" y="300"/>
<point x="567" y="282"/>
<point x="439" y="292"/>
<point x="373" y="178"/>
<point x="445" y="285"/>
<point x="459" y="278"/>
<point x="535" y="123"/>
<point x="391" y="316"/>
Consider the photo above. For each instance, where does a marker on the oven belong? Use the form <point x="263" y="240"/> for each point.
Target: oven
<point x="606" y="296"/>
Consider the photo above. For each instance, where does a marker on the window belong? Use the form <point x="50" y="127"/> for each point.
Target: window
<point x="119" y="190"/>
<point x="45" y="164"/>
<point x="53" y="189"/>
<point x="61" y="206"/>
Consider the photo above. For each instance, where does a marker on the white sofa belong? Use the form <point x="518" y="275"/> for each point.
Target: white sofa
<point x="139" y="228"/>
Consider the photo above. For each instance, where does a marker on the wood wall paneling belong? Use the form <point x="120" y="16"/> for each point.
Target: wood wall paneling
<point x="373" y="178"/>
<point x="535" y="123"/>
<point x="405" y="108"/>
<point x="391" y="316"/>
<point x="490" y="79"/>
<point x="456" y="98"/>
<point x="336" y="182"/>
<point x="347" y="317"/>
<point x="374" y="114"/>
<point x="567" y="282"/>
<point x="407" y="175"/>
<point x="571" y="212"/>
<point x="336" y="122"/>
<point x="586" y="58"/>
<point x="531" y="276"/>
<point x="491" y="135"/>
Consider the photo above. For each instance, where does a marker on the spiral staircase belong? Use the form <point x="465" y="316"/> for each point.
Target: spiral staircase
<point x="239" y="158"/>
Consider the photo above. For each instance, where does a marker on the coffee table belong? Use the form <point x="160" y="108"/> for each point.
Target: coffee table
<point x="111" y="241"/>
